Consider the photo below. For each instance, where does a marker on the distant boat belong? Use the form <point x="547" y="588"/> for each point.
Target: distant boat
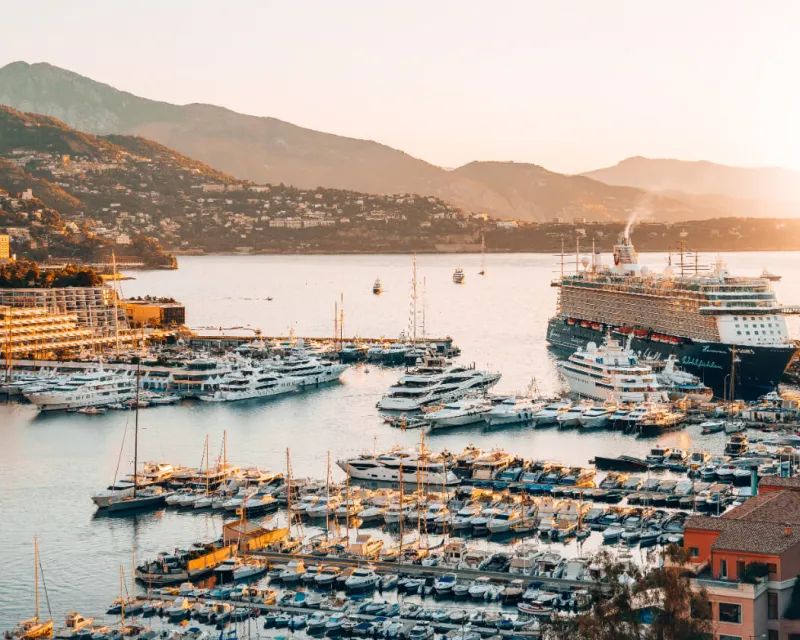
<point x="377" y="287"/>
<point x="482" y="272"/>
<point x="773" y="277"/>
<point x="459" y="276"/>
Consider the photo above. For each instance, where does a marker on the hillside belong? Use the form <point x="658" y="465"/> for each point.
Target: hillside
<point x="748" y="189"/>
<point x="267" y="150"/>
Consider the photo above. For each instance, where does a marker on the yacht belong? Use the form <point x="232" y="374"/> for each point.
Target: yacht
<point x="512" y="411"/>
<point x="572" y="416"/>
<point x="772" y="277"/>
<point x="377" y="287"/>
<point x="682" y="383"/>
<point x="598" y="416"/>
<point x="611" y="372"/>
<point x="307" y="370"/>
<point x="250" y="382"/>
<point x="385" y="467"/>
<point x="91" y="389"/>
<point x="417" y="389"/>
<point x="459" y="413"/>
<point x="459" y="276"/>
<point x="549" y="414"/>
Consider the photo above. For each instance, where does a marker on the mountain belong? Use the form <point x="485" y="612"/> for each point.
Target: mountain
<point x="750" y="186"/>
<point x="267" y="150"/>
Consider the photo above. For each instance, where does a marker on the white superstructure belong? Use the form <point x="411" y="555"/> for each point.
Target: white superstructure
<point x="612" y="373"/>
<point x="385" y="467"/>
<point x="93" y="389"/>
<point x="251" y="382"/>
<point x="460" y="412"/>
<point x="513" y="410"/>
<point x="418" y="389"/>
<point x="307" y="370"/>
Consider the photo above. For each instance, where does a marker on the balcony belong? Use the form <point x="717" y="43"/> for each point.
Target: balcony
<point x="728" y="587"/>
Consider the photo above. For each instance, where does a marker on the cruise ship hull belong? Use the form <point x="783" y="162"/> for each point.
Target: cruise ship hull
<point x="758" y="372"/>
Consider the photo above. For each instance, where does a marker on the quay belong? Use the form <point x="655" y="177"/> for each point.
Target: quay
<point x="277" y="557"/>
<point x="198" y="338"/>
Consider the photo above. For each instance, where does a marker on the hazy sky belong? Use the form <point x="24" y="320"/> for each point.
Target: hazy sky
<point x="569" y="85"/>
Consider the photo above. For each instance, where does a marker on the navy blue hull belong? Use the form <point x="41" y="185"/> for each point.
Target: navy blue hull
<point x="758" y="371"/>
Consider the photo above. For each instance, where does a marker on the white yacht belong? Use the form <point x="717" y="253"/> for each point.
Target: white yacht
<point x="385" y="467"/>
<point x="598" y="416"/>
<point x="513" y="410"/>
<point x="572" y="416"/>
<point x="459" y="413"/>
<point x="549" y="414"/>
<point x="307" y="370"/>
<point x="418" y="389"/>
<point x="92" y="389"/>
<point x="611" y="372"/>
<point x="251" y="382"/>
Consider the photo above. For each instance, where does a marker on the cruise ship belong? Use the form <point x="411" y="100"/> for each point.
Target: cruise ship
<point x="307" y="370"/>
<point x="247" y="383"/>
<point x="93" y="389"/>
<point x="386" y="467"/>
<point x="713" y="322"/>
<point x="418" y="389"/>
<point x="611" y="373"/>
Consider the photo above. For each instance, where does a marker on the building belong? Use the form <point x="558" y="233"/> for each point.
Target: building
<point x="5" y="247"/>
<point x="748" y="560"/>
<point x="94" y="307"/>
<point x="154" y="313"/>
<point x="35" y="333"/>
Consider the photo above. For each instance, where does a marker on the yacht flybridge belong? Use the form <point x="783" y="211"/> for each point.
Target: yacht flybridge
<point x="611" y="372"/>
<point x="307" y="370"/>
<point x="420" y="388"/>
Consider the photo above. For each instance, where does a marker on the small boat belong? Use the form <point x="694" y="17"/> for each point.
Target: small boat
<point x="712" y="426"/>
<point x="377" y="287"/>
<point x="92" y="411"/>
<point x="459" y="276"/>
<point x="772" y="277"/>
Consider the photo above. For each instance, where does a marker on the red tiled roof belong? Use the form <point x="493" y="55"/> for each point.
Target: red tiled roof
<point x="775" y="481"/>
<point x="758" y="526"/>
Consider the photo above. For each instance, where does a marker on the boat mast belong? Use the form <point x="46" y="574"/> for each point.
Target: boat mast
<point x="36" y="573"/>
<point x="136" y="434"/>
<point x="328" y="496"/>
<point x="402" y="517"/>
<point x="562" y="258"/>
<point x="733" y="375"/>
<point x="121" y="596"/>
<point x="414" y="298"/>
<point x="116" y="304"/>
<point x="208" y="470"/>
<point x="225" y="452"/>
<point x="347" y="507"/>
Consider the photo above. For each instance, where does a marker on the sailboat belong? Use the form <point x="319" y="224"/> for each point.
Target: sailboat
<point x="139" y="498"/>
<point x="33" y="627"/>
<point x="482" y="272"/>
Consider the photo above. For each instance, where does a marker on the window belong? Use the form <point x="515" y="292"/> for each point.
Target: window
<point x="772" y="606"/>
<point x="723" y="568"/>
<point x="772" y="567"/>
<point x="740" y="565"/>
<point x="773" y="634"/>
<point x="694" y="552"/>
<point x="730" y="613"/>
<point x="724" y="637"/>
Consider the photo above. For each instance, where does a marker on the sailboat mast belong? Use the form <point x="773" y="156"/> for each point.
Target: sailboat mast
<point x="136" y="435"/>
<point x="414" y="298"/>
<point x="36" y="572"/>
<point x="347" y="508"/>
<point x="122" y="595"/>
<point x="225" y="452"/>
<point x="116" y="304"/>
<point x="733" y="375"/>
<point x="328" y="496"/>
<point x="402" y="517"/>
<point x="207" y="468"/>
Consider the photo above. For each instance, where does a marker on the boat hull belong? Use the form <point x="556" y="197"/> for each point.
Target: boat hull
<point x="147" y="502"/>
<point x="759" y="371"/>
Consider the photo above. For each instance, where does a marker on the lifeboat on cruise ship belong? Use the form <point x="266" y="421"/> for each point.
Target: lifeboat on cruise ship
<point x="625" y="330"/>
<point x="596" y="326"/>
<point x="674" y="340"/>
<point x="570" y="320"/>
<point x="640" y="333"/>
<point x="585" y="324"/>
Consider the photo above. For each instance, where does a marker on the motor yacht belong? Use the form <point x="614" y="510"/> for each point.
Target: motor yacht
<point x="386" y="467"/>
<point x="549" y="414"/>
<point x="460" y="412"/>
<point x="598" y="416"/>
<point x="91" y="389"/>
<point x="247" y="383"/>
<point x="307" y="370"/>
<point x="572" y="416"/>
<point x="512" y="411"/>
<point x="362" y="579"/>
<point x="417" y="390"/>
<point x="377" y="287"/>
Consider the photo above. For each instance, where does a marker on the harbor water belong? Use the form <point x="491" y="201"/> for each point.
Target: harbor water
<point x="51" y="464"/>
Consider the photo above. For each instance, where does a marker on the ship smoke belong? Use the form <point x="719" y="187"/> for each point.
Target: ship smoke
<point x="643" y="210"/>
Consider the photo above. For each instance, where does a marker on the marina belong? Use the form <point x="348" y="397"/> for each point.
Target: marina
<point x="339" y="417"/>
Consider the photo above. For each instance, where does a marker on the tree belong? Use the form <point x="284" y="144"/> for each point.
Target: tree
<point x="630" y="603"/>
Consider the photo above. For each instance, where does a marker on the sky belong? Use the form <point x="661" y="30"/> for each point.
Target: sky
<point x="571" y="85"/>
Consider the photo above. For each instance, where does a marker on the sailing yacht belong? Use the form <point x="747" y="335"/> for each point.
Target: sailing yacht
<point x="150" y="496"/>
<point x="416" y="389"/>
<point x="33" y="628"/>
<point x="247" y="383"/>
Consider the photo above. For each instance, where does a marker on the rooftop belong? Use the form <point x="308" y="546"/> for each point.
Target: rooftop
<point x="768" y="523"/>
